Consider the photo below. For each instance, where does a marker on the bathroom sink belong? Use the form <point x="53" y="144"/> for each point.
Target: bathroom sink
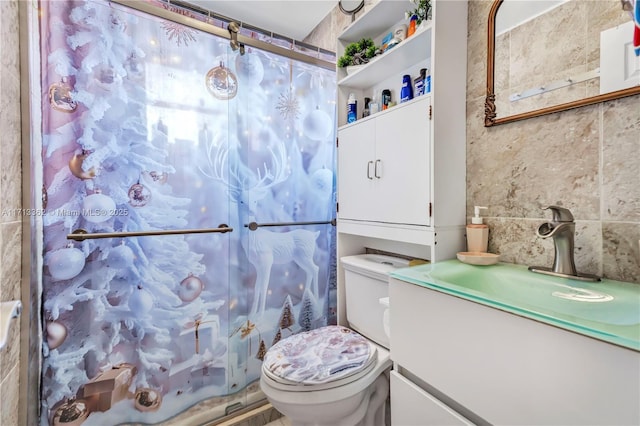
<point x="608" y="310"/>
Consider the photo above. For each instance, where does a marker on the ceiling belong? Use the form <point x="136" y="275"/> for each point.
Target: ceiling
<point x="292" y="18"/>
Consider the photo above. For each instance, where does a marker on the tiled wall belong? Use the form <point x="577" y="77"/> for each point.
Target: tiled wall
<point x="584" y="159"/>
<point x="327" y="31"/>
<point x="10" y="200"/>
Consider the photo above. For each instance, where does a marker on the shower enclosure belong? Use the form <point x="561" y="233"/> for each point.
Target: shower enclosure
<point x="186" y="218"/>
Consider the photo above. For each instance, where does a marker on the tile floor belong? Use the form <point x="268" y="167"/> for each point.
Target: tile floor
<point x="282" y="421"/>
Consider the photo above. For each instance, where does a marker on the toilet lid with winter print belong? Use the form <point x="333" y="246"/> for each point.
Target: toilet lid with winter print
<point x="319" y="356"/>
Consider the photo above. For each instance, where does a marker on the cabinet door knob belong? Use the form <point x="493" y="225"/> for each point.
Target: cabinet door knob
<point x="369" y="170"/>
<point x="375" y="171"/>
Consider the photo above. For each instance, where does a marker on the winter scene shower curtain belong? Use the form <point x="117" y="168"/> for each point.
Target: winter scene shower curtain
<point x="150" y="125"/>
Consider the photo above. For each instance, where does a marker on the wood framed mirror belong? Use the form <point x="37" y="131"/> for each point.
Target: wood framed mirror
<point x="529" y="73"/>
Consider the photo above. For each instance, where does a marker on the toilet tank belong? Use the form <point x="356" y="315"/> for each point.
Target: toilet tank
<point x="366" y="282"/>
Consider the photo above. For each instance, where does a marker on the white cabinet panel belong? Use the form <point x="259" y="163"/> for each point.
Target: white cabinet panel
<point x="413" y="406"/>
<point x="383" y="166"/>
<point x="356" y="171"/>
<point x="402" y="157"/>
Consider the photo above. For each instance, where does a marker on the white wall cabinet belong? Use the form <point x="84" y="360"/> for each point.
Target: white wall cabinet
<point x="383" y="177"/>
<point x="491" y="366"/>
<point x="402" y="171"/>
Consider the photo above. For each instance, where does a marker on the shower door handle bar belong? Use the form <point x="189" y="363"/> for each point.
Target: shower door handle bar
<point x="81" y="234"/>
<point x="253" y="225"/>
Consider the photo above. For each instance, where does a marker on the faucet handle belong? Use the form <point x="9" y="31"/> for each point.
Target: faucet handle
<point x="560" y="214"/>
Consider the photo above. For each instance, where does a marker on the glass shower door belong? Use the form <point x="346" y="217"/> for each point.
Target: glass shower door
<point x="189" y="194"/>
<point x="136" y="300"/>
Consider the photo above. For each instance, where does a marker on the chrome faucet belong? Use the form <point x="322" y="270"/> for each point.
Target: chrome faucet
<point x="562" y="228"/>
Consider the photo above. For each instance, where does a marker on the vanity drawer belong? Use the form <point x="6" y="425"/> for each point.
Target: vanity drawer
<point x="507" y="369"/>
<point x="411" y="405"/>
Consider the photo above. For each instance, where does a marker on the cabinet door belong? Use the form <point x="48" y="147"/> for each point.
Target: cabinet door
<point x="356" y="152"/>
<point x="402" y="164"/>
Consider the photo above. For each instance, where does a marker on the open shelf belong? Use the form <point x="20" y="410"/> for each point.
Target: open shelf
<point x="376" y="20"/>
<point x="392" y="62"/>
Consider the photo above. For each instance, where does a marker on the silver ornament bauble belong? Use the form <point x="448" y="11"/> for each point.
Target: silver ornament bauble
<point x="147" y="399"/>
<point x="250" y="69"/>
<point x="317" y="125"/>
<point x="140" y="301"/>
<point x="120" y="257"/>
<point x="221" y="82"/>
<point x="65" y="263"/>
<point x="139" y="195"/>
<point x="56" y="334"/>
<point x="71" y="413"/>
<point x="98" y="208"/>
<point x="322" y="180"/>
<point x="190" y="288"/>
<point x="60" y="97"/>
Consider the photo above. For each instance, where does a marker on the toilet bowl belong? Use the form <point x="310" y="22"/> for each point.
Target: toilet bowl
<point x="336" y="375"/>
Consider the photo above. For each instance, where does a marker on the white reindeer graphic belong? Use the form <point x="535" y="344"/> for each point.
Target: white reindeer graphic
<point x="264" y="248"/>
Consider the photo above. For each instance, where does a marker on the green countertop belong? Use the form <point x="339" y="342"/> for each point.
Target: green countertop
<point x="607" y="310"/>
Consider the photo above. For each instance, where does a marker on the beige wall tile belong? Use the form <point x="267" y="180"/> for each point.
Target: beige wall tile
<point x="621" y="158"/>
<point x="477" y="19"/>
<point x="10" y="150"/>
<point x="10" y="199"/>
<point x="10" y="355"/>
<point x="524" y="166"/>
<point x="621" y="254"/>
<point x="11" y="269"/>
<point x="9" y="397"/>
<point x="9" y="60"/>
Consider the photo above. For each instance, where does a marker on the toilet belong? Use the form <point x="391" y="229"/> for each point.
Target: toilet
<point x="336" y="375"/>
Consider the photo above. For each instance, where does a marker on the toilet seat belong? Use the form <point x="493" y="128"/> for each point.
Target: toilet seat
<point x="319" y="359"/>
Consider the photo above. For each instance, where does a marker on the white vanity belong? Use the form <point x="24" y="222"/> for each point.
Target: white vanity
<point x="501" y="345"/>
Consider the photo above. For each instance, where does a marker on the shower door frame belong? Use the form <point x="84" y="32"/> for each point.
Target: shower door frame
<point x="32" y="166"/>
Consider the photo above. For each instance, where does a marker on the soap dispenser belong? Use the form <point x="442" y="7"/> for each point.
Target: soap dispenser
<point x="477" y="232"/>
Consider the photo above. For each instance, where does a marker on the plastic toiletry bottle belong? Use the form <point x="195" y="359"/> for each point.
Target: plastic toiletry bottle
<point x="386" y="98"/>
<point x="406" y="93"/>
<point x="412" y="25"/>
<point x="365" y="111"/>
<point x="427" y="81"/>
<point x="477" y="233"/>
<point x="418" y="83"/>
<point x="374" y="106"/>
<point x="352" y="108"/>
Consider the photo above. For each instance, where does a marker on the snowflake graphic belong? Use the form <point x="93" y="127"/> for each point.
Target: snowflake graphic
<point x="288" y="105"/>
<point x="181" y="33"/>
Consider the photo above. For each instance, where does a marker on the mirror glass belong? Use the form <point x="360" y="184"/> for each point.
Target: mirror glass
<point x="551" y="53"/>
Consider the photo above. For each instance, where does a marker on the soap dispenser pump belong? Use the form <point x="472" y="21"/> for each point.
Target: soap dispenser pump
<point x="477" y="232"/>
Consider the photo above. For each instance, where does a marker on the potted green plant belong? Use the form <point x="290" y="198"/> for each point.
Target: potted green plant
<point x="357" y="53"/>
<point x="422" y="10"/>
